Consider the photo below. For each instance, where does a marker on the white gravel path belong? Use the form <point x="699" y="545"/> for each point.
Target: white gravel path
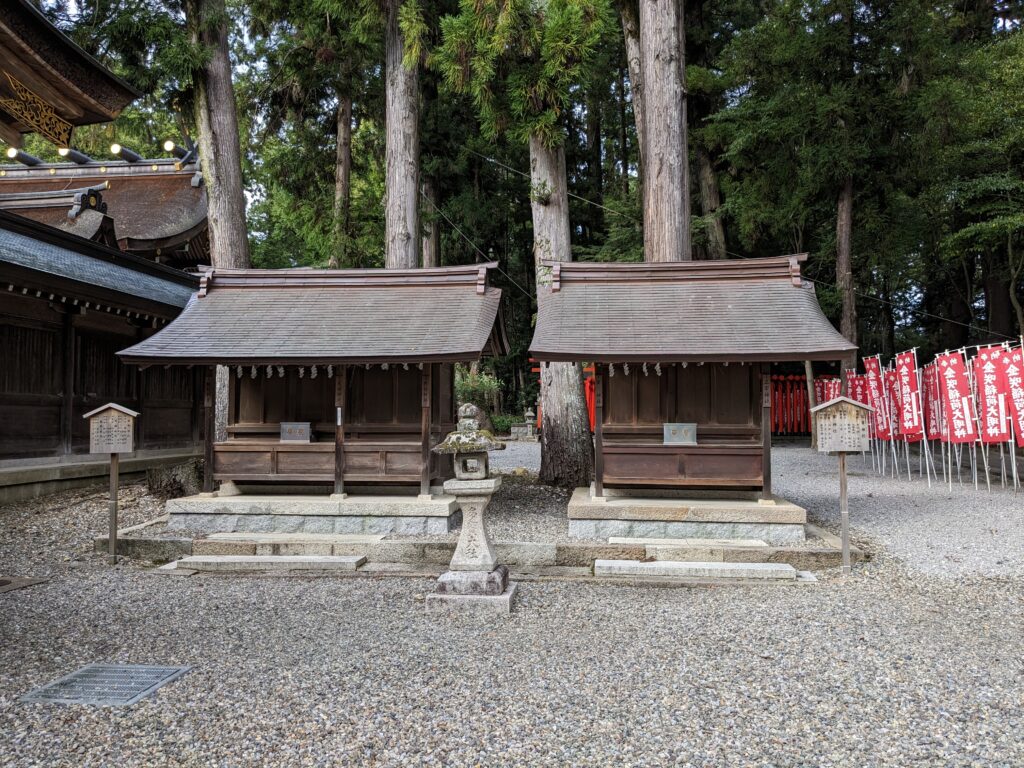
<point x="959" y="533"/>
<point x="893" y="667"/>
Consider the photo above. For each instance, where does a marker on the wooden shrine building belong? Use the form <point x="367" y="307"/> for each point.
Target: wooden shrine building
<point x="48" y="84"/>
<point x="67" y="306"/>
<point x="341" y="379"/>
<point x="681" y="353"/>
<point x="79" y="280"/>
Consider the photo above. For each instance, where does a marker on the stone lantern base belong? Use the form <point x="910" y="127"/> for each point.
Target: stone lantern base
<point x="485" y="592"/>
<point x="474" y="582"/>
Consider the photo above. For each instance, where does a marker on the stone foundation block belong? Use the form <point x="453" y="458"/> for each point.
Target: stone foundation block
<point x="473" y="582"/>
<point x="480" y="605"/>
<point x="775" y="534"/>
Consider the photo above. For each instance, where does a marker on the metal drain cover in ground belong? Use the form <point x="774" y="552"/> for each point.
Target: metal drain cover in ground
<point x="108" y="685"/>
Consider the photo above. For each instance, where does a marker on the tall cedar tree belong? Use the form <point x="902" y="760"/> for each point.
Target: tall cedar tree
<point x="217" y="123"/>
<point x="519" y="61"/>
<point x="666" y="172"/>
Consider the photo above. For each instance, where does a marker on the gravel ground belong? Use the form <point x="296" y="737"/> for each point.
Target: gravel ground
<point x="892" y="667"/>
<point x="880" y="670"/>
<point x="517" y="455"/>
<point x="935" y="531"/>
<point x="41" y="535"/>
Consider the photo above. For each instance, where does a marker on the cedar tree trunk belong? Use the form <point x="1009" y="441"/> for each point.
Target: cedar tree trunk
<point x="221" y="156"/>
<point x="401" y="117"/>
<point x="666" y="174"/>
<point x="342" y="182"/>
<point x="844" y="268"/>
<point x="219" y="146"/>
<point x="567" y="451"/>
<point x="710" y="202"/>
<point x="631" y="31"/>
<point x="431" y="230"/>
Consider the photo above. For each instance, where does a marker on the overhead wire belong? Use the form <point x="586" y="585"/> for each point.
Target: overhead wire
<point x="475" y="247"/>
<point x="861" y="294"/>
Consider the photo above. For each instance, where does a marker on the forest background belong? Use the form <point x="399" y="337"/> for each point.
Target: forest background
<point x="902" y="118"/>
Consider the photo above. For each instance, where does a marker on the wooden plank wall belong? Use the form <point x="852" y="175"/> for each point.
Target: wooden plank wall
<point x="59" y="365"/>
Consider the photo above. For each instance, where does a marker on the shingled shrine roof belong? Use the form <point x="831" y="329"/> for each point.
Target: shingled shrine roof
<point x="323" y="317"/>
<point x="154" y="206"/>
<point x="33" y="255"/>
<point x="714" y="311"/>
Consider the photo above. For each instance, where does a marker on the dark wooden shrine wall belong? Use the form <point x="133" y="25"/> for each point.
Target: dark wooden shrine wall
<point x="57" y="366"/>
<point x="378" y="401"/>
<point x="723" y="400"/>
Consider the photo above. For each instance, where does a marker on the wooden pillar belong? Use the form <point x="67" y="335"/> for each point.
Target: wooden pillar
<point x="209" y="426"/>
<point x="426" y="380"/>
<point x="598" y="431"/>
<point x="68" y="404"/>
<point x="340" y="390"/>
<point x="766" y="431"/>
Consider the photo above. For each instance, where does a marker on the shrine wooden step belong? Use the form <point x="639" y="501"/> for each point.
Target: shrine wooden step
<point x="683" y="570"/>
<point x="249" y="563"/>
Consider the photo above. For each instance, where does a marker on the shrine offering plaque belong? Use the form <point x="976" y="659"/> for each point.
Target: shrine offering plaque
<point x="295" y="431"/>
<point x="111" y="429"/>
<point x="842" y="425"/>
<point x="680" y="434"/>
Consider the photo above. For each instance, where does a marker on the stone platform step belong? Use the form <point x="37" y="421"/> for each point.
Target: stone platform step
<point x="243" y="563"/>
<point x="691" y="542"/>
<point x="699" y="550"/>
<point x="769" y="572"/>
<point x="283" y="543"/>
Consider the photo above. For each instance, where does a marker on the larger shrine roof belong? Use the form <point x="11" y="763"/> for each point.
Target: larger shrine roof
<point x="153" y="204"/>
<point x="43" y="251"/>
<point x="715" y="311"/>
<point x="309" y="316"/>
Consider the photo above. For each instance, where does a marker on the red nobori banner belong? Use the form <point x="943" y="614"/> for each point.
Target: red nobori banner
<point x="932" y="405"/>
<point x="909" y="391"/>
<point x="1013" y="368"/>
<point x="826" y="389"/>
<point x="873" y="369"/>
<point x="857" y="388"/>
<point x="956" y="398"/>
<point x="993" y="394"/>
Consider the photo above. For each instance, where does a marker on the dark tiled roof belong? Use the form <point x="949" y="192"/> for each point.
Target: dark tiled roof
<point x="755" y="309"/>
<point x="89" y="264"/>
<point x="305" y="316"/>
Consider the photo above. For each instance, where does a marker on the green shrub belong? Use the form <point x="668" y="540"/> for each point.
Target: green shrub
<point x="502" y="423"/>
<point x="481" y="389"/>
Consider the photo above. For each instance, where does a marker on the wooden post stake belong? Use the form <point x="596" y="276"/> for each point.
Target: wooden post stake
<point x="598" y="432"/>
<point x="766" y="433"/>
<point x="340" y="388"/>
<point x="426" y="380"/>
<point x="209" y="427"/>
<point x="112" y="535"/>
<point x="844" y="514"/>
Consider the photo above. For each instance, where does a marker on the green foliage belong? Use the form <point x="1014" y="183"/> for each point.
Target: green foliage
<point x="519" y="60"/>
<point x="502" y="423"/>
<point x="479" y="388"/>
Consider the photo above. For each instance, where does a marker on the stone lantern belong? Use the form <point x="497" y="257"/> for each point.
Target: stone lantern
<point x="474" y="580"/>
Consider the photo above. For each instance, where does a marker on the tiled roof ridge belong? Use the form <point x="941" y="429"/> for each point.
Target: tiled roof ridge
<point x="227" y="278"/>
<point x="765" y="268"/>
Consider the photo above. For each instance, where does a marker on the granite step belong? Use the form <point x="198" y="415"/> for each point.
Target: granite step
<point x="691" y="542"/>
<point x="299" y="544"/>
<point x="245" y="563"/>
<point x="673" y="569"/>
